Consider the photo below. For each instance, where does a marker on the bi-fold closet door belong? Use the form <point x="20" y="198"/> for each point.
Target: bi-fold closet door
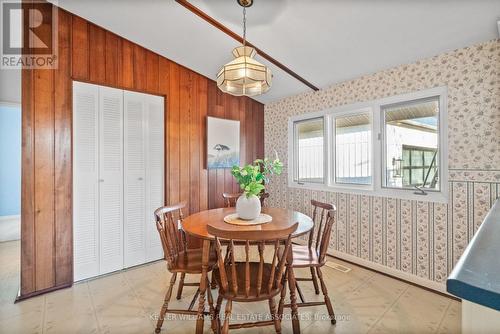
<point x="143" y="162"/>
<point x="117" y="178"/>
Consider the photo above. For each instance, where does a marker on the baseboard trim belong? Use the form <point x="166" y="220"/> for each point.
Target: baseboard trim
<point x="10" y="217"/>
<point x="407" y="277"/>
<point x="20" y="298"/>
<point x="394" y="273"/>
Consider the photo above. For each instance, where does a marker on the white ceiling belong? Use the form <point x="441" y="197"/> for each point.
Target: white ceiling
<point x="324" y="41"/>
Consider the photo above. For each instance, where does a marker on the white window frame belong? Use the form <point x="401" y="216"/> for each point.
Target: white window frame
<point x="376" y="188"/>
<point x="294" y="172"/>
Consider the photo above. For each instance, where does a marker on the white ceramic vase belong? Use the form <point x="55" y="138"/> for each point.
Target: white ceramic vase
<point x="248" y="208"/>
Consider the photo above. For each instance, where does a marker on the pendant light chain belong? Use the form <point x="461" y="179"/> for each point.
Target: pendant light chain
<point x="244" y="45"/>
<point x="244" y="26"/>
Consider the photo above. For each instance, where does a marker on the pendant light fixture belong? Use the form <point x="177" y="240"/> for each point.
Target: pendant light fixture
<point x="244" y="75"/>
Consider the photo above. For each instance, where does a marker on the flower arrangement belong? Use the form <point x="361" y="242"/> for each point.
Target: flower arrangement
<point x="253" y="178"/>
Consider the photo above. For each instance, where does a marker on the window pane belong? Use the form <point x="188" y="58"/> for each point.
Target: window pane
<point x="309" y="147"/>
<point x="406" y="177"/>
<point x="411" y="137"/>
<point x="353" y="149"/>
<point x="416" y="158"/>
<point x="406" y="158"/>
<point x="417" y="176"/>
<point x="428" y="157"/>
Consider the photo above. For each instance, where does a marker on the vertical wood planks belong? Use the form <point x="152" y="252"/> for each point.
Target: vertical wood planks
<point x="194" y="146"/>
<point x="62" y="155"/>
<point x="113" y="60"/>
<point x="164" y="89"/>
<point x="43" y="87"/>
<point x="173" y="134"/>
<point x="97" y="54"/>
<point x="203" y="109"/>
<point x="212" y="173"/>
<point x="185" y="92"/>
<point x="251" y="116"/>
<point x="127" y="64"/>
<point x="28" y="260"/>
<point x="79" y="48"/>
<point x="152" y="64"/>
<point x="140" y="68"/>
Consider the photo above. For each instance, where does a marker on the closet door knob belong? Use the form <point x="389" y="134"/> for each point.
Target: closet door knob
<point x="101" y="180"/>
<point x="140" y="179"/>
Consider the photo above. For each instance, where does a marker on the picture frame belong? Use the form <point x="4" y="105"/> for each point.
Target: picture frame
<point x="223" y="142"/>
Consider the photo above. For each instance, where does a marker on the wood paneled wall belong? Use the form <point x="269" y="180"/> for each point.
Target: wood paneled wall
<point x="91" y="54"/>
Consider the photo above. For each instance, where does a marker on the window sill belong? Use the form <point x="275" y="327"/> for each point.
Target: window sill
<point x="405" y="194"/>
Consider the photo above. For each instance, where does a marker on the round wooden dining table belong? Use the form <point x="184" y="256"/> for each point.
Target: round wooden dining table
<point x="196" y="226"/>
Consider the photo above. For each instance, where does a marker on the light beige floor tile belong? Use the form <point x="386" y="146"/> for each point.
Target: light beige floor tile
<point x="124" y="305"/>
<point x="32" y="307"/>
<point x="70" y="310"/>
<point x="29" y="322"/>
<point x="115" y="283"/>
<point x="356" y="311"/>
<point x="338" y="281"/>
<point x="124" y="325"/>
<point x="81" y="323"/>
<point x="417" y="311"/>
<point x="451" y="323"/>
<point x="9" y="290"/>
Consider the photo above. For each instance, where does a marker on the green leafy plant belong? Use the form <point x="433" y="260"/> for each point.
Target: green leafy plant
<point x="253" y="178"/>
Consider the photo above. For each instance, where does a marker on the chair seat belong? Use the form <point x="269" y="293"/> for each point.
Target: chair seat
<point x="190" y="261"/>
<point x="305" y="256"/>
<point x="241" y="296"/>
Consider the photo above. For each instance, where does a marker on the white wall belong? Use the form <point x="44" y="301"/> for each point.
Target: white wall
<point x="10" y="86"/>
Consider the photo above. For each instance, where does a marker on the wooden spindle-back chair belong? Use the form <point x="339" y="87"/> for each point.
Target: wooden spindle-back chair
<point x="263" y="197"/>
<point x="179" y="259"/>
<point x="248" y="281"/>
<point x="230" y="199"/>
<point x="313" y="255"/>
<point x="229" y="202"/>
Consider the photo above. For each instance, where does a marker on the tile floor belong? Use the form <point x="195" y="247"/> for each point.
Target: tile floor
<point x="127" y="302"/>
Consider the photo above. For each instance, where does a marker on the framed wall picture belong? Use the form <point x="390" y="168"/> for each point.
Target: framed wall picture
<point x="223" y="143"/>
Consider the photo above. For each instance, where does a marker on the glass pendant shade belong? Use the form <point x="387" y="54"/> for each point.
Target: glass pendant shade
<point x="244" y="75"/>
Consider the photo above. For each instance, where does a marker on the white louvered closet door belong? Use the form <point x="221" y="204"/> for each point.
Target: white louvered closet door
<point x="118" y="178"/>
<point x="85" y="185"/>
<point x="135" y="178"/>
<point x="154" y="173"/>
<point x="111" y="179"/>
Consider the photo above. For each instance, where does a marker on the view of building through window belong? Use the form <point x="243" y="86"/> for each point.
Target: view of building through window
<point x="309" y="143"/>
<point x="411" y="144"/>
<point x="353" y="146"/>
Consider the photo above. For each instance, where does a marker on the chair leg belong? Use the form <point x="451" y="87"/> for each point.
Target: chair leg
<point x="327" y="299"/>
<point x="217" y="312"/>
<point x="275" y="316"/>
<point x="281" y="303"/>
<point x="293" y="301"/>
<point x="181" y="286"/>
<point x="301" y="296"/>
<point x="227" y="315"/>
<point x="213" y="283"/>
<point x="212" y="311"/>
<point x="315" y="281"/>
<point x="164" y="308"/>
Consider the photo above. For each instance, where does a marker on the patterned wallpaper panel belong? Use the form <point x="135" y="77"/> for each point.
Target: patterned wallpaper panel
<point x="421" y="238"/>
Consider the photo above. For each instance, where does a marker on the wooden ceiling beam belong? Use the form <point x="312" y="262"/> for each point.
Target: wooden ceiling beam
<point x="198" y="12"/>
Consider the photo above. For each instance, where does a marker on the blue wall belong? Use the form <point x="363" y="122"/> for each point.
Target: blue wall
<point x="10" y="160"/>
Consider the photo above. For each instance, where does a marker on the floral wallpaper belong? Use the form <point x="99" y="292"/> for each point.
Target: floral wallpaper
<point x="421" y="238"/>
